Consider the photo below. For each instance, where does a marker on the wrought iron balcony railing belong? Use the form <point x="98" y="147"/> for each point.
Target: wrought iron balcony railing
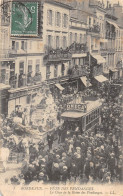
<point x="94" y="29"/>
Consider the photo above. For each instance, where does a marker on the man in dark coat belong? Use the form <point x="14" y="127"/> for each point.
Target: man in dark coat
<point x="50" y="140"/>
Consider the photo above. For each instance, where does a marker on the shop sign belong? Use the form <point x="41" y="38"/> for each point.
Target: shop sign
<point x="77" y="107"/>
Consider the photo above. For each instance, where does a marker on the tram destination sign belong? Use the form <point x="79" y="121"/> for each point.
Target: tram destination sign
<point x="77" y="107"/>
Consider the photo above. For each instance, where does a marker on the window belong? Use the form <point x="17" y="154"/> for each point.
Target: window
<point x="13" y="45"/>
<point x="49" y="41"/>
<point x="37" y="66"/>
<point x="48" y="72"/>
<point x="12" y="69"/>
<point x="58" y="19"/>
<point x="84" y="41"/>
<point x="64" y="42"/>
<point x="71" y="38"/>
<point x="55" y="70"/>
<point x="22" y="45"/>
<point x="87" y="119"/>
<point x="80" y="38"/>
<point x="49" y="17"/>
<point x="3" y="75"/>
<point x="89" y="21"/>
<point x="62" y="69"/>
<point x="21" y="68"/>
<point x="57" y="41"/>
<point x="30" y="46"/>
<point x="17" y="45"/>
<point x="65" y="20"/>
<point x="29" y="66"/>
<point x="75" y="37"/>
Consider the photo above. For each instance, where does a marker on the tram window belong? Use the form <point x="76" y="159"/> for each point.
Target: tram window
<point x="87" y="119"/>
<point x="98" y="112"/>
<point x="94" y="114"/>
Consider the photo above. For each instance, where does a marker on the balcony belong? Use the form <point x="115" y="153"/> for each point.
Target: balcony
<point x="77" y="48"/>
<point x="110" y="35"/>
<point x="54" y="55"/>
<point x="96" y="3"/>
<point x="94" y="29"/>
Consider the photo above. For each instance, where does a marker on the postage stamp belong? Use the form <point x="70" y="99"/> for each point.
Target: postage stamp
<point x="24" y="19"/>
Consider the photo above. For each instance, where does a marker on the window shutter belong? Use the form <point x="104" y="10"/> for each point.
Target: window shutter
<point x="52" y="38"/>
<point x="25" y="45"/>
<point x="17" y="46"/>
<point x="62" y="20"/>
<point x="53" y="22"/>
<point x="55" y="18"/>
<point x="47" y="17"/>
<point x="59" y="19"/>
<point x="66" y="20"/>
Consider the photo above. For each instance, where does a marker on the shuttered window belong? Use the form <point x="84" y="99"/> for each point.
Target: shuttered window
<point x="71" y="40"/>
<point x="21" y="67"/>
<point x="49" y="17"/>
<point x="65" y="20"/>
<point x="57" y="41"/>
<point x="58" y="19"/>
<point x="37" y="66"/>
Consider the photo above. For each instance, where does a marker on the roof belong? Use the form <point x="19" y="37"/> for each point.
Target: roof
<point x="112" y="23"/>
<point x="60" y="4"/>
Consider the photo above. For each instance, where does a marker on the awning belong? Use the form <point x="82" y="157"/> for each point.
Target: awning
<point x="85" y="81"/>
<point x="103" y="40"/>
<point x="4" y="86"/>
<point x="59" y="87"/>
<point x="79" y="55"/>
<point x="101" y="78"/>
<point x="114" y="70"/>
<point x="112" y="23"/>
<point x="69" y="114"/>
<point x="99" y="58"/>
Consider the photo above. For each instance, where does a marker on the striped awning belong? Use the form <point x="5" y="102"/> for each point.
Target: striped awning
<point x="59" y="87"/>
<point x="99" y="58"/>
<point x="101" y="78"/>
<point x="85" y="81"/>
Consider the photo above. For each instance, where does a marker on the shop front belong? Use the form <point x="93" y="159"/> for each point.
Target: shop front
<point x="4" y="95"/>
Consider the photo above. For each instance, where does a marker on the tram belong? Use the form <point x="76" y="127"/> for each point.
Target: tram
<point x="84" y="115"/>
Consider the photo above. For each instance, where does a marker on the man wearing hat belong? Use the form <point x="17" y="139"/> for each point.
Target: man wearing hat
<point x="50" y="139"/>
<point x="64" y="174"/>
<point x="55" y="172"/>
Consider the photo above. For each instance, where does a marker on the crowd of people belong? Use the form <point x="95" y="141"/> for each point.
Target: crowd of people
<point x="93" y="156"/>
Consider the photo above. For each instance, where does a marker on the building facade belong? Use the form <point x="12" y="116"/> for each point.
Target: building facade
<point x="72" y="40"/>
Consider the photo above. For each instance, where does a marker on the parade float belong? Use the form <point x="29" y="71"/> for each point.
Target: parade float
<point x="39" y="117"/>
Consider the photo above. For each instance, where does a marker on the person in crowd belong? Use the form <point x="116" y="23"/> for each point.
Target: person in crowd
<point x="50" y="139"/>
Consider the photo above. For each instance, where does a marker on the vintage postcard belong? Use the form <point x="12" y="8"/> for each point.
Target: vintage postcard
<point x="61" y="101"/>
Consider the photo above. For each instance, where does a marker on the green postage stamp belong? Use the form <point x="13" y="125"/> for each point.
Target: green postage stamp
<point x="24" y="19"/>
